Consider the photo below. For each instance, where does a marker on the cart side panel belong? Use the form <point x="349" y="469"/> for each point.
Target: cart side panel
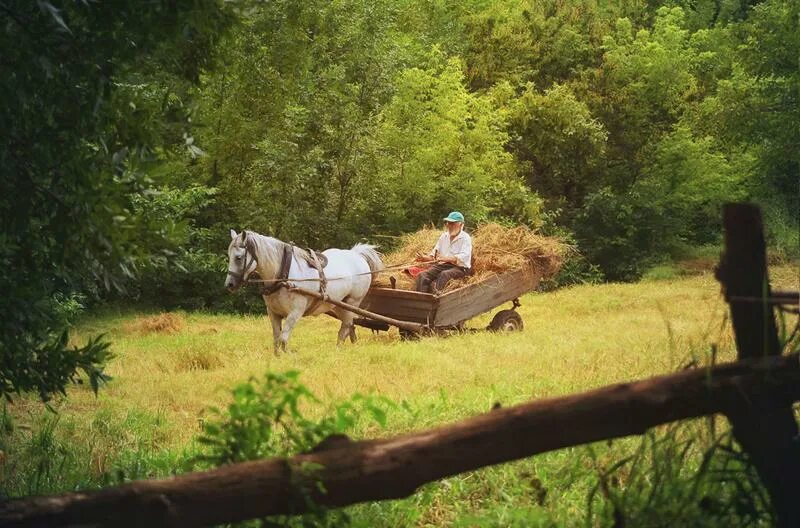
<point x="405" y="305"/>
<point x="474" y="299"/>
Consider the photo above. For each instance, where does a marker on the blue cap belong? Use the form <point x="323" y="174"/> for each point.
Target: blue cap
<point x="455" y="216"/>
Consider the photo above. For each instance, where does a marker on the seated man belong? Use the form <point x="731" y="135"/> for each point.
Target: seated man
<point x="452" y="256"/>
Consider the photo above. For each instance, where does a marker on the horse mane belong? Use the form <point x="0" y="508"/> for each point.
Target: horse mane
<point x="268" y="251"/>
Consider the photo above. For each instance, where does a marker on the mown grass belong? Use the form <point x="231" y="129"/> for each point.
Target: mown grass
<point x="170" y="368"/>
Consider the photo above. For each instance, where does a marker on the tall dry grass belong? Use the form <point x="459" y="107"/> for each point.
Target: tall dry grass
<point x="575" y="339"/>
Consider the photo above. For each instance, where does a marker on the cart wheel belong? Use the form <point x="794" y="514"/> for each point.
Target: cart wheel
<point x="506" y="321"/>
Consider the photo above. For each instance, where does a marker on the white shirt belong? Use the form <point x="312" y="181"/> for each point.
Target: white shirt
<point x="460" y="247"/>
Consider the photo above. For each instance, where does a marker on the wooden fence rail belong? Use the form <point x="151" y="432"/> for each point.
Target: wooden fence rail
<point x="352" y="472"/>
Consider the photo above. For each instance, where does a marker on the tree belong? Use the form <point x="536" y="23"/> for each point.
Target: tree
<point x="559" y="142"/>
<point x="439" y="147"/>
<point x="647" y="83"/>
<point x="288" y="114"/>
<point x="72" y="145"/>
<point x="755" y="108"/>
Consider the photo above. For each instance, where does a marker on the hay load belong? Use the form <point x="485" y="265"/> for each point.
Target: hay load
<point x="495" y="249"/>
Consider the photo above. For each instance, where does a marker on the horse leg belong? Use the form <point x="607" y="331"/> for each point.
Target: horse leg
<point x="348" y="329"/>
<point x="288" y="325"/>
<point x="276" y="331"/>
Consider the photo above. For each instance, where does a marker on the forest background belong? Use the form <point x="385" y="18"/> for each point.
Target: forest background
<point x="135" y="137"/>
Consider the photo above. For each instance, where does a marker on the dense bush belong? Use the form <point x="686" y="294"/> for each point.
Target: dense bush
<point x="72" y="153"/>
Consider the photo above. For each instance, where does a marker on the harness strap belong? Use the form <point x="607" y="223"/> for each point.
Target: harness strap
<point x="283" y="272"/>
<point x="323" y="283"/>
<point x="318" y="265"/>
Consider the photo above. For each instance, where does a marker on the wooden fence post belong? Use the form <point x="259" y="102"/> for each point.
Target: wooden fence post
<point x="766" y="430"/>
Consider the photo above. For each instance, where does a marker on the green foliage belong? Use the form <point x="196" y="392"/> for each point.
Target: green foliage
<point x="439" y="147"/>
<point x="292" y="110"/>
<point x="531" y="42"/>
<point x="560" y="143"/>
<point x="134" y="137"/>
<point x="326" y="123"/>
<point x="676" y="202"/>
<point x="269" y="418"/>
<point x="664" y="484"/>
<point x="689" y="180"/>
<point x="755" y="110"/>
<point x="576" y="270"/>
<point x="673" y="157"/>
<point x="49" y="367"/>
<point x="52" y="452"/>
<point x="185" y="265"/>
<point x="348" y="136"/>
<point x="606" y="229"/>
<point x="74" y="139"/>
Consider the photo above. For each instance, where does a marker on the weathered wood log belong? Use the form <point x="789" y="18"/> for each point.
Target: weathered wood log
<point x="770" y="438"/>
<point x="352" y="472"/>
<point x="405" y="325"/>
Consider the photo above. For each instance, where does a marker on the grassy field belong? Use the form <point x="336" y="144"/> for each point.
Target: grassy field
<point x="170" y="368"/>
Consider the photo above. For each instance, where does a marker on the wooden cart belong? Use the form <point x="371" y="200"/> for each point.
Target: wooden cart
<point x="416" y="313"/>
<point x="427" y="313"/>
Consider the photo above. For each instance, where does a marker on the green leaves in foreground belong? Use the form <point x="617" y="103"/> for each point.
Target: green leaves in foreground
<point x="50" y="367"/>
<point x="275" y="416"/>
<point x="677" y="477"/>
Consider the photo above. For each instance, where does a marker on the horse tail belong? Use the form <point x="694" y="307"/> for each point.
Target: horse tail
<point x="371" y="255"/>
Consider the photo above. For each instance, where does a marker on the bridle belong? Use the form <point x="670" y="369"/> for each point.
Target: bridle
<point x="272" y="285"/>
<point x="242" y="276"/>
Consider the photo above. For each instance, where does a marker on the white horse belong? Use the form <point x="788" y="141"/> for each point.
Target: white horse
<point x="348" y="275"/>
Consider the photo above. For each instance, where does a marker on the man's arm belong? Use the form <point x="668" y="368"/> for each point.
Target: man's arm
<point x="433" y="255"/>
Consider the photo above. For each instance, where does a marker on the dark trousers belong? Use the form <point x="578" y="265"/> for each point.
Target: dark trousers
<point x="434" y="278"/>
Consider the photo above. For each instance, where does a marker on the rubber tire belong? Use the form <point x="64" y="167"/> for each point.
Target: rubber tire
<point x="506" y="321"/>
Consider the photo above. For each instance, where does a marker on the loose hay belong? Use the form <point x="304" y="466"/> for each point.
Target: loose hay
<point x="198" y="360"/>
<point x="495" y="249"/>
<point x="163" y="323"/>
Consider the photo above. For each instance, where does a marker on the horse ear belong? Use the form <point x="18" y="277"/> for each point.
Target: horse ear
<point x="234" y="234"/>
<point x="243" y="236"/>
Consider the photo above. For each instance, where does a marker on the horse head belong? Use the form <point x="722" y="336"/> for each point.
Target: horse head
<point x="241" y="261"/>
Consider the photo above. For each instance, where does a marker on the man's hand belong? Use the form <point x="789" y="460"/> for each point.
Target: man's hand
<point x="447" y="260"/>
<point x="422" y="258"/>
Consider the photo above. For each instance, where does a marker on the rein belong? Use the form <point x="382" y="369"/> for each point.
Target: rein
<point x="328" y="279"/>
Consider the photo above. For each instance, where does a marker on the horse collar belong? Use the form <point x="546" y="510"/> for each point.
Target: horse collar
<point x="283" y="271"/>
